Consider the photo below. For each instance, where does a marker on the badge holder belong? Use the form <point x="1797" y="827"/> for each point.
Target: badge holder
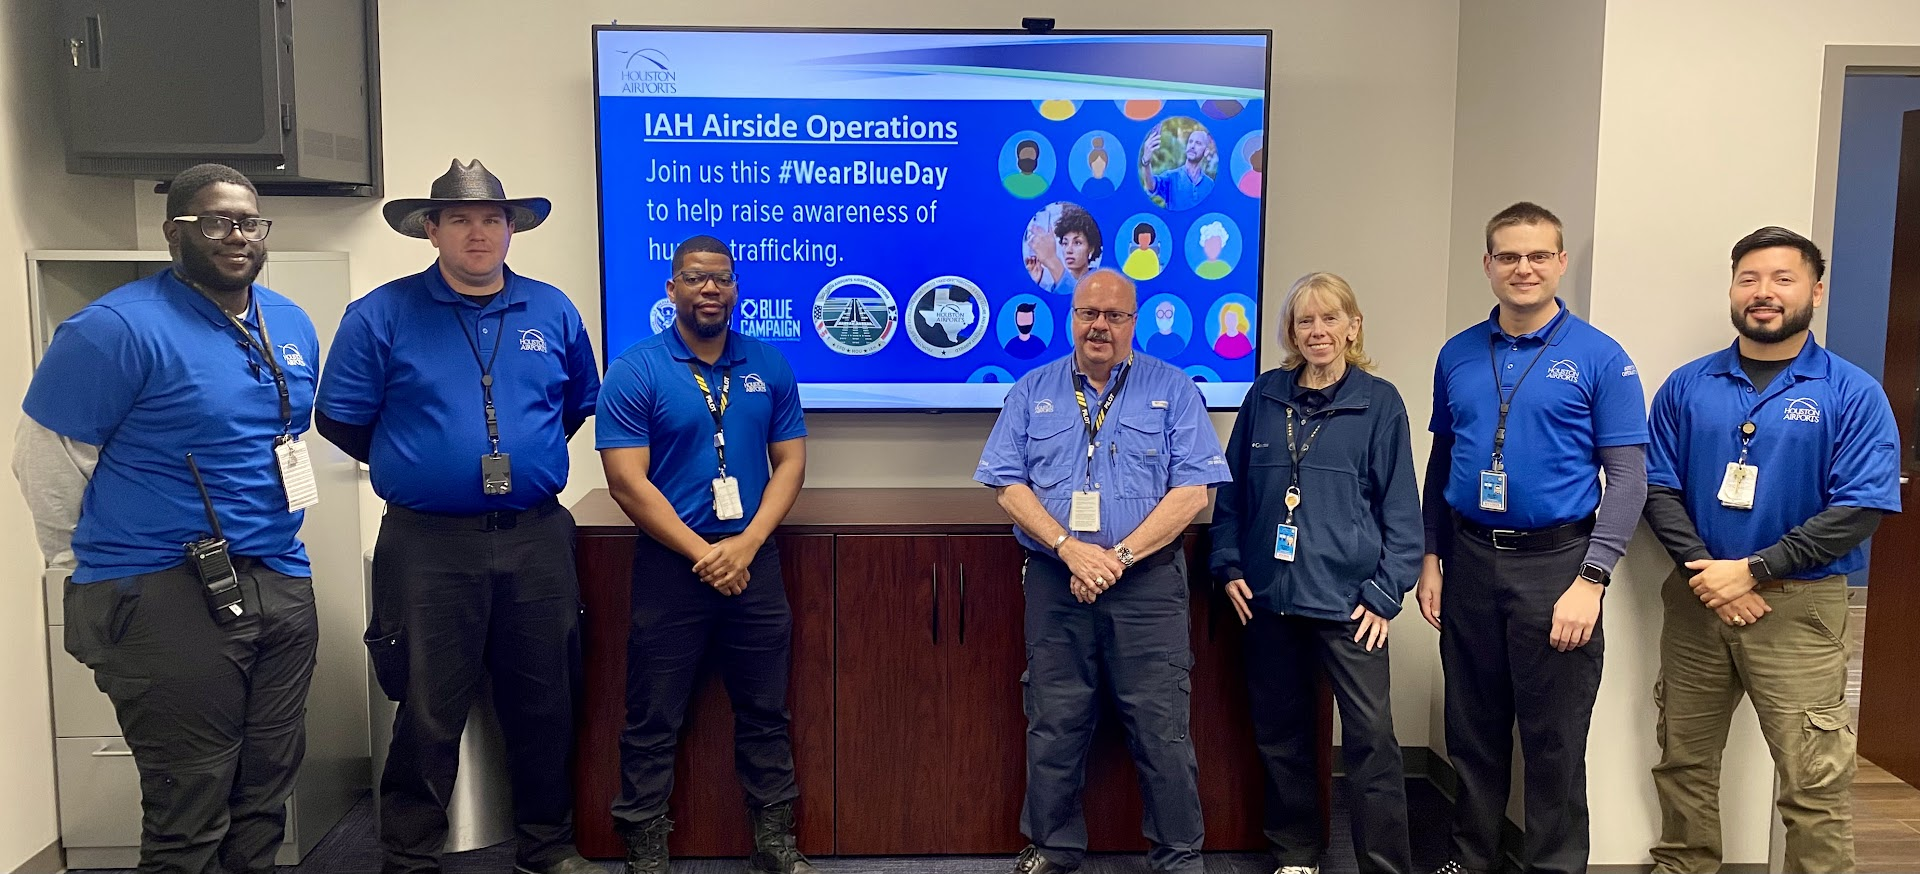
<point x="496" y="473"/>
<point x="1737" y="486"/>
<point x="296" y="473"/>
<point x="726" y="489"/>
<point x="1493" y="488"/>
<point x="1084" y="516"/>
<point x="1286" y="541"/>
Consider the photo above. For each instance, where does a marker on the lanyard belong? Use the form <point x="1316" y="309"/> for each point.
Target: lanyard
<point x="265" y="347"/>
<point x="1293" y="487"/>
<point x="717" y="409"/>
<point x="1087" y="418"/>
<point x="486" y="368"/>
<point x="1506" y="397"/>
<point x="1746" y="439"/>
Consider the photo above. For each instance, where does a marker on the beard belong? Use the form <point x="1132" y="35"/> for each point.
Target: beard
<point x="1791" y="322"/>
<point x="705" y="330"/>
<point x="198" y="266"/>
<point x="1028" y="165"/>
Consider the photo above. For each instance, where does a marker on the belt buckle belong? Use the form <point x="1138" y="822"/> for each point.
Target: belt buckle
<point x="1495" y="534"/>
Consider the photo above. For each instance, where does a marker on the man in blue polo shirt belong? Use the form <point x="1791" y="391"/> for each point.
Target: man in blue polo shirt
<point x="193" y="367"/>
<point x="1772" y="463"/>
<point x="1528" y="407"/>
<point x="1102" y="458"/>
<point x="459" y="386"/>
<point x="704" y="445"/>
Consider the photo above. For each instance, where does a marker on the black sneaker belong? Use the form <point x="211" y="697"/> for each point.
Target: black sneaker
<point x="1031" y="862"/>
<point x="1451" y="868"/>
<point x="647" y="846"/>
<point x="774" y="846"/>
<point x="571" y="864"/>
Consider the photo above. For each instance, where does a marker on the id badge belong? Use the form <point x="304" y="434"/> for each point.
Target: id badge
<point x="496" y="473"/>
<point x="726" y="498"/>
<point x="1493" y="491"/>
<point x="296" y="474"/>
<point x="1736" y="488"/>
<point x="1085" y="515"/>
<point x="1286" y="542"/>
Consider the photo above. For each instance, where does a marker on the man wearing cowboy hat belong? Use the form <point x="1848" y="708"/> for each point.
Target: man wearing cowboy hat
<point x="459" y="386"/>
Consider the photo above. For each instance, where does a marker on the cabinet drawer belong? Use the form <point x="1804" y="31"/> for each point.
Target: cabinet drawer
<point x="99" y="792"/>
<point x="80" y="709"/>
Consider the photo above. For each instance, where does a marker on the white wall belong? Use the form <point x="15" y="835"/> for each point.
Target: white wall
<point x="40" y="207"/>
<point x="1709" y="121"/>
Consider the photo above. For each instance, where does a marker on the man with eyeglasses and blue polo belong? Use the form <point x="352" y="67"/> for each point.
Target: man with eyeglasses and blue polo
<point x="460" y="386"/>
<point x="1528" y="407"/>
<point x="1102" y="459"/>
<point x="704" y="445"/>
<point x="192" y="375"/>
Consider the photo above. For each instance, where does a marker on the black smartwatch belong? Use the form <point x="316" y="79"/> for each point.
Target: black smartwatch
<point x="1594" y="573"/>
<point x="1757" y="566"/>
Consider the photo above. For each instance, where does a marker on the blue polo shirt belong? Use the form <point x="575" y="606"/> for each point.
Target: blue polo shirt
<point x="151" y="372"/>
<point x="1156" y="437"/>
<point x="1824" y="436"/>
<point x="651" y="400"/>
<point x="1583" y="394"/>
<point x="402" y="362"/>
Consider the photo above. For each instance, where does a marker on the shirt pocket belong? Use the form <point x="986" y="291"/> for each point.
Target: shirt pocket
<point x="1144" y="457"/>
<point x="1052" y="451"/>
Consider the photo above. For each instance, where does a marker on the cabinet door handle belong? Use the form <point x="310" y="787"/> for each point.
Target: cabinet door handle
<point x="963" y="605"/>
<point x="936" y="605"/>
<point x="108" y="750"/>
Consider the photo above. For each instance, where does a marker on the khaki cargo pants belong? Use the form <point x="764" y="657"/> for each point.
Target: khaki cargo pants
<point x="1793" y="664"/>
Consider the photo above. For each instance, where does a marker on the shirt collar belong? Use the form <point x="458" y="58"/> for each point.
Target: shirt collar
<point x="208" y="309"/>
<point x="437" y="286"/>
<point x="677" y="347"/>
<point x="1812" y="362"/>
<point x="1550" y="331"/>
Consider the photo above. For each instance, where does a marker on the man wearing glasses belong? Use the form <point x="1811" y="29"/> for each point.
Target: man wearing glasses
<point x="459" y="386"/>
<point x="192" y="368"/>
<point x="1528" y="407"/>
<point x="1102" y="459"/>
<point x="704" y="446"/>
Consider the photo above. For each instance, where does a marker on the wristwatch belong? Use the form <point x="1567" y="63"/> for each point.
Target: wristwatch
<point x="1594" y="573"/>
<point x="1757" y="566"/>
<point x="1122" y="552"/>
<point x="1059" y="540"/>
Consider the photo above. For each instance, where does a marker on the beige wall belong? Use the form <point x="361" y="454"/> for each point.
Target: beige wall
<point x="40" y="207"/>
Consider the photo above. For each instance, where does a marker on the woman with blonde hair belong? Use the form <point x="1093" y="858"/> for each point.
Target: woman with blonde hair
<point x="1316" y="541"/>
<point x="1233" y="342"/>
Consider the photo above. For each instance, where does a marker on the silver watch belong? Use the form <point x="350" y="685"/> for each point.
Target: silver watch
<point x="1123" y="553"/>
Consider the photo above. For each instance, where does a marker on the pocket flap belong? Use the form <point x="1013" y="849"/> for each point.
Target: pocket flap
<point x="1150" y="422"/>
<point x="1833" y="718"/>
<point x="1046" y="426"/>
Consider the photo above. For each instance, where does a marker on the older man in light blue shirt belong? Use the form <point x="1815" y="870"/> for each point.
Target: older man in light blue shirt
<point x="1102" y="459"/>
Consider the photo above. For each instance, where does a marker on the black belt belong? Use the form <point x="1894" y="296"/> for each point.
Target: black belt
<point x="498" y="520"/>
<point x="1507" y="539"/>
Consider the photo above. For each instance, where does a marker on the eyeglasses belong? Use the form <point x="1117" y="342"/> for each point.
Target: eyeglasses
<point x="1512" y="259"/>
<point x="1114" y="317"/>
<point x="695" y="279"/>
<point x="217" y="227"/>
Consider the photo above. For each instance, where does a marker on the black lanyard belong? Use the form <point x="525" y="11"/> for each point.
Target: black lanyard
<point x="486" y="367"/>
<point x="1086" y="416"/>
<point x="717" y="409"/>
<point x="1301" y="452"/>
<point x="1506" y="397"/>
<point x="266" y="350"/>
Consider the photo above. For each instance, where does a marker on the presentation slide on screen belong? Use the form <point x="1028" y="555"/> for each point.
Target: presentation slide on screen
<point x="909" y="214"/>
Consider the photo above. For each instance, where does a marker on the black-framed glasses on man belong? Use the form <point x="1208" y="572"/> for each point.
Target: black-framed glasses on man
<point x="696" y="279"/>
<point x="217" y="227"/>
<point x="1512" y="259"/>
<point x="1114" y="317"/>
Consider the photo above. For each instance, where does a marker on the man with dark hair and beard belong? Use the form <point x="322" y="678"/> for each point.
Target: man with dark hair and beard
<point x="1026" y="182"/>
<point x="704" y="446"/>
<point x="1772" y="461"/>
<point x="192" y="367"/>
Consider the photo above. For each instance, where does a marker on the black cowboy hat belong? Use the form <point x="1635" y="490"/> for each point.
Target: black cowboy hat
<point x="464" y="185"/>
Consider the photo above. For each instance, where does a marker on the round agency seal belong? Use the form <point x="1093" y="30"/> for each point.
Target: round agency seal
<point x="947" y="316"/>
<point x="661" y="316"/>
<point x="855" y="315"/>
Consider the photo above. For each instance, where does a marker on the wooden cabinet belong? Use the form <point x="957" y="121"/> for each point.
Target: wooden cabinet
<point x="909" y="732"/>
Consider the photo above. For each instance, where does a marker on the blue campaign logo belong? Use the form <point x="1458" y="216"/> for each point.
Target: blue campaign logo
<point x="1024" y="326"/>
<point x="1027" y="164"/>
<point x="1097" y="164"/>
<point x="1166" y="325"/>
<point x="1213" y="246"/>
<point x="1147" y="246"/>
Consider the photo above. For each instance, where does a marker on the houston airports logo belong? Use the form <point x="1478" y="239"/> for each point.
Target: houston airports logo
<point x="647" y="72"/>
<point x="1803" y="410"/>
<point x="1563" y="369"/>
<point x="855" y="315"/>
<point x="531" y="340"/>
<point x="947" y="316"/>
<point x="291" y="354"/>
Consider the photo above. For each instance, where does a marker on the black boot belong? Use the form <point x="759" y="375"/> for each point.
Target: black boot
<point x="774" y="850"/>
<point x="647" y="846"/>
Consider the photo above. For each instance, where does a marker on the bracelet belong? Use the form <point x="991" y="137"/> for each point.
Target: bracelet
<point x="1059" y="540"/>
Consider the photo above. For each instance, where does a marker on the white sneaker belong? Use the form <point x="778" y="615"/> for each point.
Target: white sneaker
<point x="1297" y="869"/>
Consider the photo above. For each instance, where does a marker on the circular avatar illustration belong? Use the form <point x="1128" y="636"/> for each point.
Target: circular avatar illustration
<point x="1057" y="110"/>
<point x="660" y="317"/>
<point x="1147" y="246"/>
<point x="947" y="316"/>
<point x="1221" y="109"/>
<point x="855" y="315"/>
<point x="1165" y="326"/>
<point x="990" y="373"/>
<point x="1024" y="327"/>
<point x="1230" y="324"/>
<point x="1061" y="244"/>
<point x="1139" y="110"/>
<point x="1027" y="165"/>
<point x="1213" y="246"/>
<point x="1177" y="163"/>
<point x="1249" y="162"/>
<point x="1202" y="373"/>
<point x="1092" y="167"/>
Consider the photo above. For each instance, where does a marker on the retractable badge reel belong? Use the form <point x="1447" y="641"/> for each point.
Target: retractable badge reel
<point x="1736" y="487"/>
<point x="1286" y="540"/>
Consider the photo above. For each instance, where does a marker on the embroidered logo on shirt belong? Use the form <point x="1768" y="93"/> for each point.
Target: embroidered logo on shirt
<point x="1159" y="405"/>
<point x="1563" y="369"/>
<point x="1216" y="461"/>
<point x="1630" y="371"/>
<point x="1044" y="406"/>
<point x="1803" y="410"/>
<point x="753" y="382"/>
<point x="1261" y="445"/>
<point x="291" y="354"/>
<point x="531" y="340"/>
